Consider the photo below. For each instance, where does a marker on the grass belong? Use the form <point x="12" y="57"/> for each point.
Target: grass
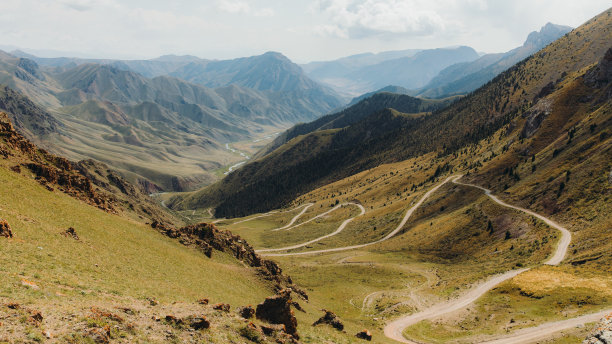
<point x="114" y="257"/>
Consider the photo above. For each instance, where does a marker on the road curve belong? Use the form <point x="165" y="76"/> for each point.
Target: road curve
<point x="272" y="213"/>
<point x="394" y="329"/>
<point x="314" y="218"/>
<point x="387" y="237"/>
<point x="544" y="331"/>
<point x="308" y="205"/>
<point x="337" y="231"/>
<point x="566" y="236"/>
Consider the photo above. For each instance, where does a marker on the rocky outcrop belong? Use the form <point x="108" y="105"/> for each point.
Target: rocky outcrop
<point x="5" y="229"/>
<point x="330" y="318"/>
<point x="277" y="310"/>
<point x="207" y="237"/>
<point x="535" y="116"/>
<point x="365" y="334"/>
<point x="51" y="171"/>
<point x="602" y="333"/>
<point x="601" y="74"/>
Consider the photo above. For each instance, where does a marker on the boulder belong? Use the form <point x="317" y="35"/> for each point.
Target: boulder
<point x="203" y="301"/>
<point x="246" y="312"/>
<point x="198" y="323"/>
<point x="277" y="310"/>
<point x="35" y="318"/>
<point x="71" y="233"/>
<point x="5" y="229"/>
<point x="222" y="307"/>
<point x="330" y="318"/>
<point x="365" y="334"/>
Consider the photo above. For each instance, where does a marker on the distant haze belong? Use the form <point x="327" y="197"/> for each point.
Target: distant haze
<point x="303" y="30"/>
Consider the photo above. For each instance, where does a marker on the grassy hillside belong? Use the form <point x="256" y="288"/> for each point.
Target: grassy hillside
<point x="87" y="266"/>
<point x="383" y="137"/>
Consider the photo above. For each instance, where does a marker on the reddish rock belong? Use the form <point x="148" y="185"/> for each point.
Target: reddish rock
<point x="277" y="310"/>
<point x="5" y="229"/>
<point x="246" y="312"/>
<point x="71" y="233"/>
<point x="99" y="335"/>
<point x="35" y="318"/>
<point x="16" y="169"/>
<point x="152" y="301"/>
<point x="13" y="305"/>
<point x="222" y="307"/>
<point x="97" y="313"/>
<point x="171" y="319"/>
<point x="203" y="301"/>
<point x="365" y="334"/>
<point x="330" y="318"/>
<point x="199" y="323"/>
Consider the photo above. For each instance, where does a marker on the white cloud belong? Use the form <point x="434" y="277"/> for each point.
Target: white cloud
<point x="365" y="18"/>
<point x="238" y="6"/>
<point x="264" y="12"/>
<point x="232" y="6"/>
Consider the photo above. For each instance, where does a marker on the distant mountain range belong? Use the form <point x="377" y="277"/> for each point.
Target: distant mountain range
<point x="165" y="121"/>
<point x="428" y="73"/>
<point x="465" y="77"/>
<point x="163" y="129"/>
<point x="355" y="75"/>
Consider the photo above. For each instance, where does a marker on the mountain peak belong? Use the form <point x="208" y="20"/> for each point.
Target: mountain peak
<point x="547" y="34"/>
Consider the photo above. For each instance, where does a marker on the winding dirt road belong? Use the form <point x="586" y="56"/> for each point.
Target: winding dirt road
<point x="544" y="331"/>
<point x="394" y="329"/>
<point x="274" y="212"/>
<point x="399" y="227"/>
<point x="295" y="218"/>
<point x="566" y="236"/>
<point x="337" y="231"/>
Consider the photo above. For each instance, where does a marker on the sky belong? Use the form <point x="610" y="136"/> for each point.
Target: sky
<point x="302" y="30"/>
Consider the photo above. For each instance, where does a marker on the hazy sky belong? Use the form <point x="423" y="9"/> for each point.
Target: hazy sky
<point x="302" y="30"/>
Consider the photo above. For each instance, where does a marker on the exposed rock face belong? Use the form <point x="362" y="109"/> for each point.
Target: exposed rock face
<point x="601" y="74"/>
<point x="5" y="229"/>
<point x="365" y="334"/>
<point x="277" y="310"/>
<point x="207" y="237"/>
<point x="50" y="170"/>
<point x="535" y="116"/>
<point x="148" y="187"/>
<point x="603" y="332"/>
<point x="330" y="318"/>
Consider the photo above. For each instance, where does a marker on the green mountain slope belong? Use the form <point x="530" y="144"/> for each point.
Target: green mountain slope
<point x="353" y="114"/>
